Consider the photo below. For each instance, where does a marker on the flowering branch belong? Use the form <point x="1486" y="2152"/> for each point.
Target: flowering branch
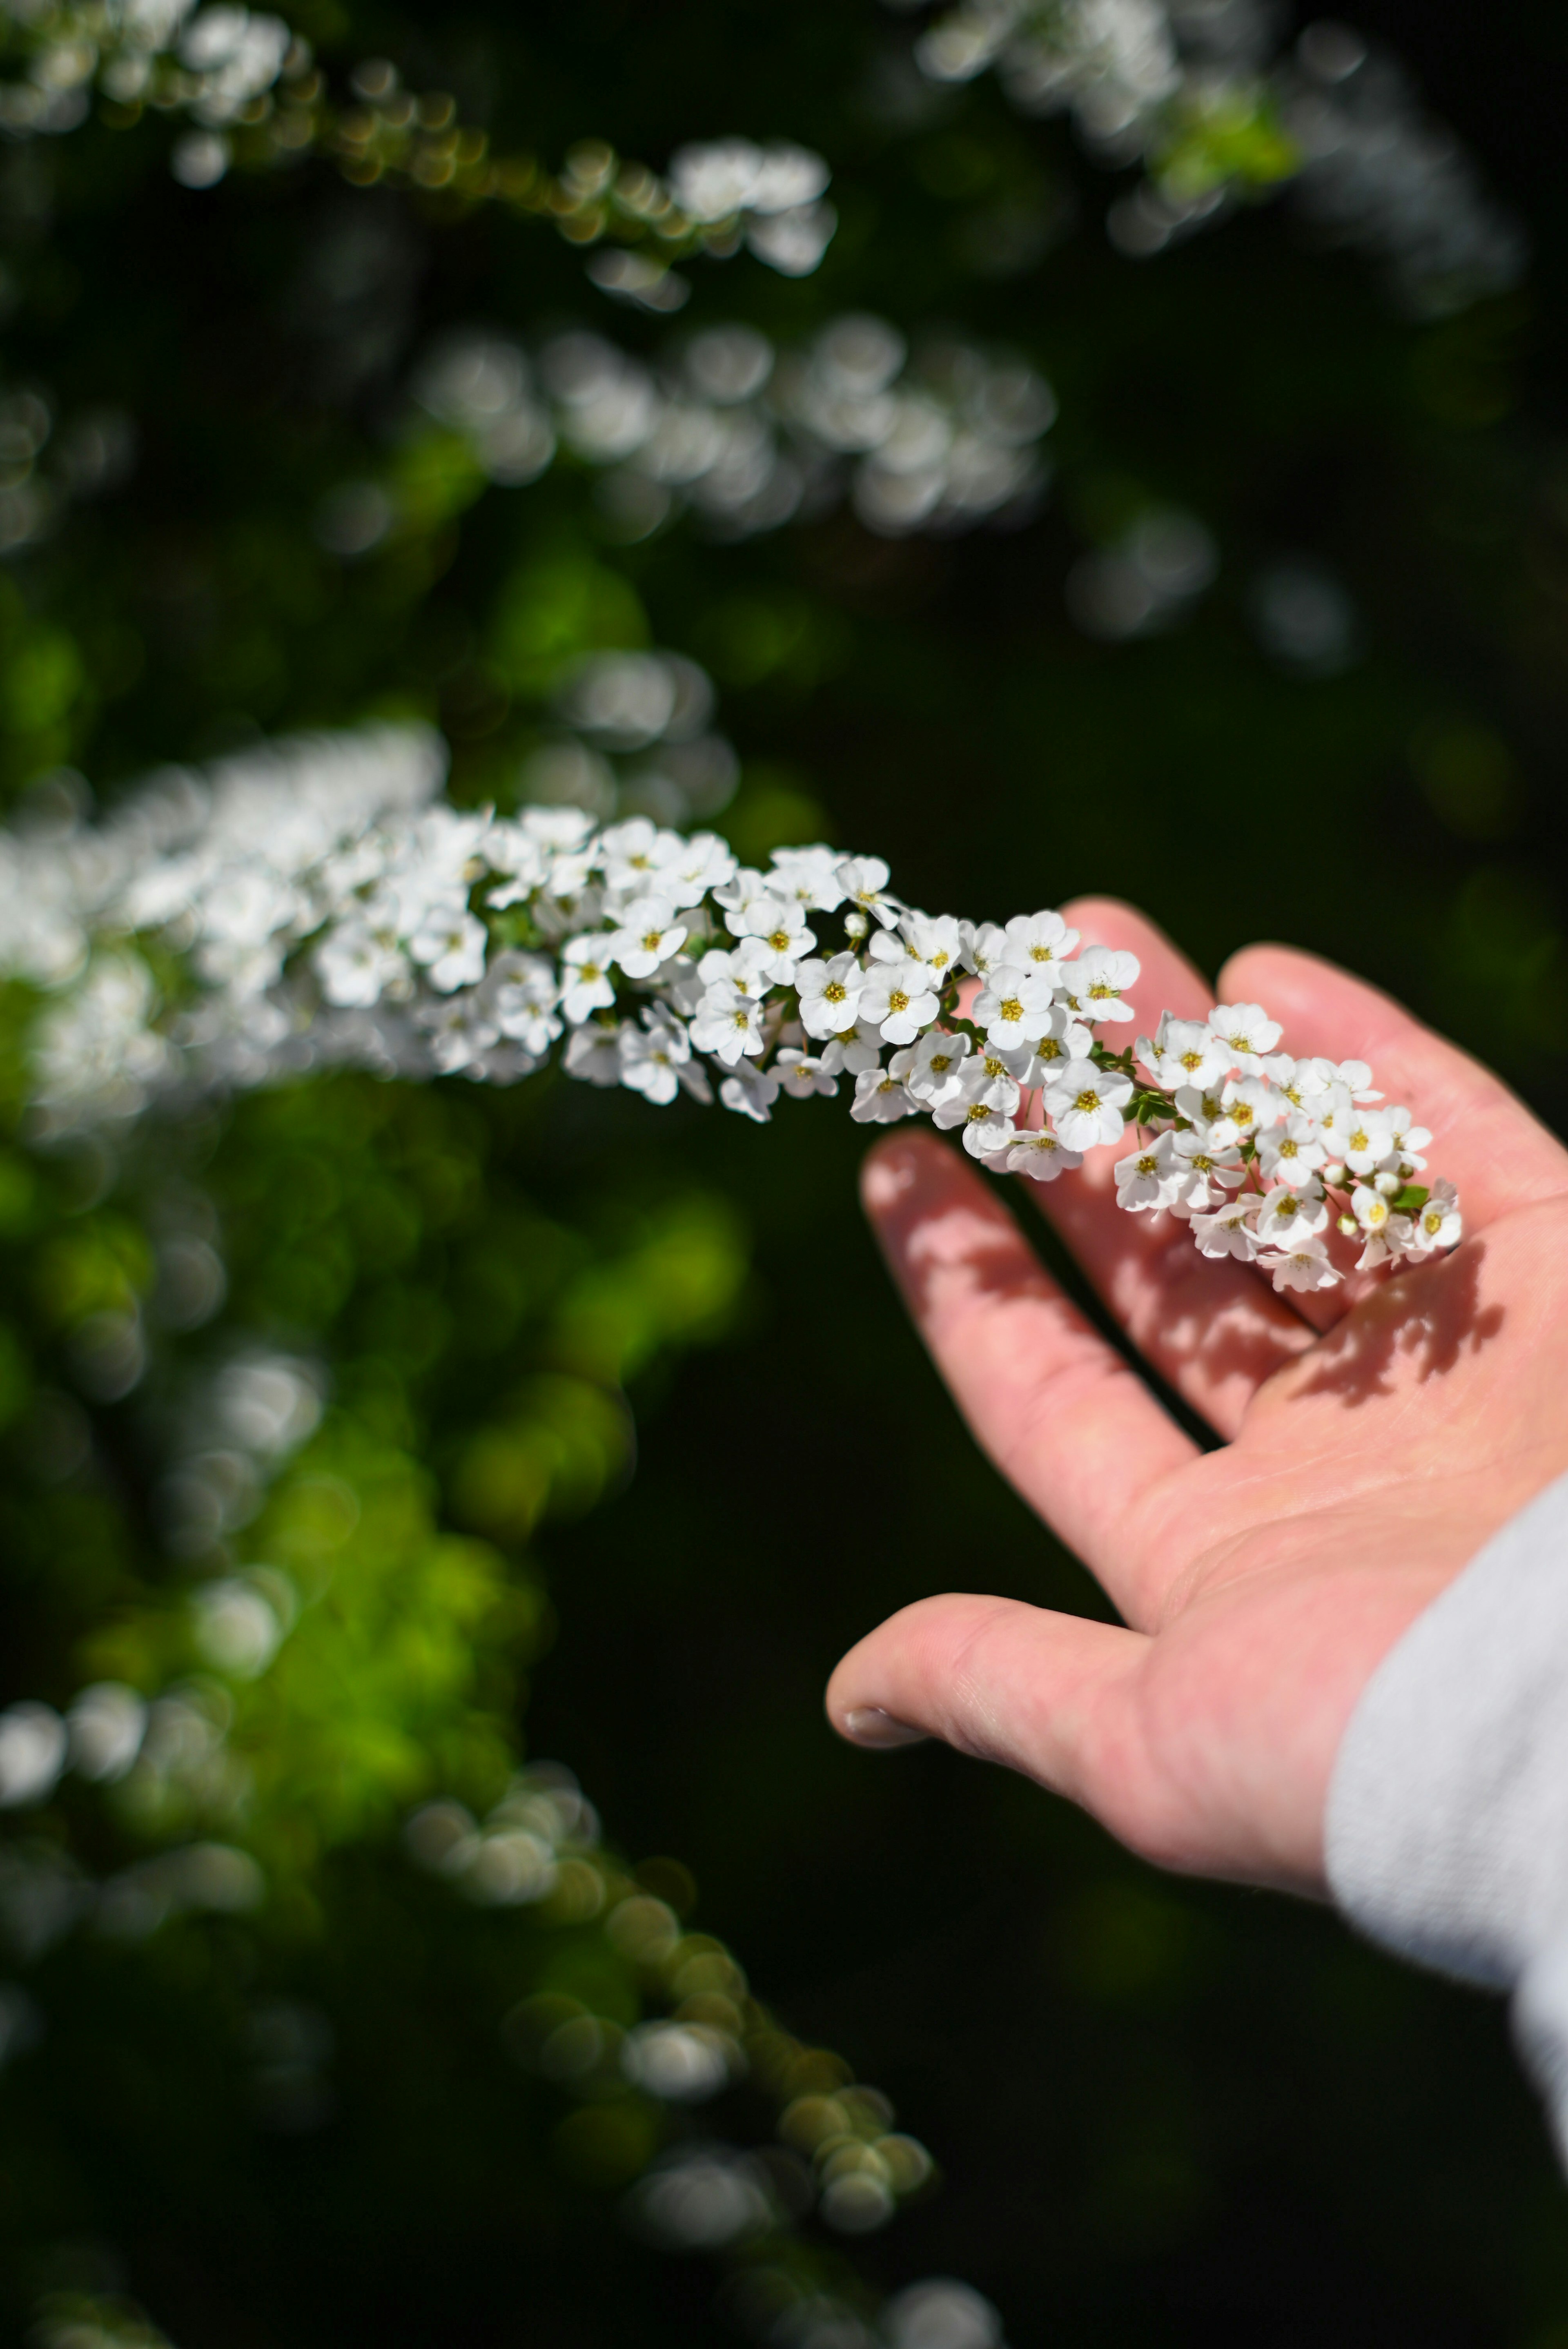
<point x="310" y="909"/>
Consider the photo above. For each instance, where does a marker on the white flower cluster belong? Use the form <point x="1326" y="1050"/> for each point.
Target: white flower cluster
<point x="1164" y="80"/>
<point x="220" y="59"/>
<point x="746" y="435"/>
<point x="326" y="913"/>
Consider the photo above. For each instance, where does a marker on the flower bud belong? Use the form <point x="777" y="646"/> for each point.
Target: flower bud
<point x="857" y="925"/>
<point x="1388" y="1185"/>
<point x="1333" y="1175"/>
<point x="1349" y="1227"/>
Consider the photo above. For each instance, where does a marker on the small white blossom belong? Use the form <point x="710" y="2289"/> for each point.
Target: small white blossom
<point x="1086" y="1105"/>
<point x="1096" y="983"/>
<point x="935" y="939"/>
<point x="751" y="1093"/>
<point x="637" y="855"/>
<point x="1150" y="1178"/>
<point x="985" y="944"/>
<point x="829" y="994"/>
<point x="1014" y="1006"/>
<point x="1292" y="1149"/>
<point x="654" y="1057"/>
<point x="1306" y="1266"/>
<point x="853" y="1051"/>
<point x="899" y="997"/>
<point x="1365" y="1139"/>
<point x="988" y="1133"/>
<point x="521" y="991"/>
<point x="1438" y="1224"/>
<point x="1290" y="1217"/>
<point x="774" y="923"/>
<point x="729" y="1024"/>
<point x="803" y="1074"/>
<point x="1244" y="1029"/>
<point x="649" y="934"/>
<point x="933" y="1068"/>
<point x="593" y="1051"/>
<point x="1040" y="1155"/>
<point x="1039" y="943"/>
<point x="807" y="877"/>
<point x="863" y="880"/>
<point x="1183" y="1052"/>
<point x="1228" y="1230"/>
<point x="1203" y="1174"/>
<point x="880" y="1099"/>
<point x="450" y="942"/>
<point x="586" y="983"/>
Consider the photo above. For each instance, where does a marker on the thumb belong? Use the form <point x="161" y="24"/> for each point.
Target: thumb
<point x="1050" y="1695"/>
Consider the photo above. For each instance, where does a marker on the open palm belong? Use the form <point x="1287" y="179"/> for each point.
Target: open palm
<point x="1375" y="1435"/>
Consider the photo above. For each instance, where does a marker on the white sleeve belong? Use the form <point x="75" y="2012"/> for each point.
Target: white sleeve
<point x="1448" y="1811"/>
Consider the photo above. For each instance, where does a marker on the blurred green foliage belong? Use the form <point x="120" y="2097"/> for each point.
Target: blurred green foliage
<point x="1164" y="2113"/>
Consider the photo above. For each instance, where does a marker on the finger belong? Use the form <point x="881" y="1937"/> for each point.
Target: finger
<point x="1050" y="1695"/>
<point x="1059" y="1410"/>
<point x="1212" y="1329"/>
<point x="1483" y="1138"/>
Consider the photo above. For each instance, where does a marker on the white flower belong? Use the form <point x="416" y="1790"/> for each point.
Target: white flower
<point x="807" y="877"/>
<point x="988" y="1133"/>
<point x="1150" y="1178"/>
<point x="899" y="997"/>
<point x="751" y="1093"/>
<point x="637" y="854"/>
<point x="1040" y="1155"/>
<point x="933" y="939"/>
<point x="829" y="994"/>
<point x="986" y="1086"/>
<point x="1086" y="1105"/>
<point x="521" y="990"/>
<point x="1363" y="1139"/>
<point x="458" y="1031"/>
<point x="1306" y="1266"/>
<point x="1097" y="981"/>
<point x="1228" y="1231"/>
<point x="985" y="944"/>
<point x="705" y="863"/>
<point x="1369" y="1207"/>
<point x="649" y="934"/>
<point x="1293" y="1148"/>
<point x="654" y="1057"/>
<point x="863" y="879"/>
<point x="1408" y="1140"/>
<point x="1244" y="1029"/>
<point x="776" y="924"/>
<point x="1203" y="1174"/>
<point x="357" y="967"/>
<point x="1438" y="1224"/>
<point x="1183" y="1052"/>
<point x="729" y="1023"/>
<point x="1039" y="943"/>
<point x="1289" y="1217"/>
<point x="853" y="1051"/>
<point x="1014" y="1006"/>
<point x="744" y="965"/>
<point x="586" y="983"/>
<point x="593" y="1051"/>
<point x="933" y="1068"/>
<point x="1247" y="1107"/>
<point x="803" y="1074"/>
<point x="1066" y="1038"/>
<point x="880" y="1099"/>
<point x="450" y="942"/>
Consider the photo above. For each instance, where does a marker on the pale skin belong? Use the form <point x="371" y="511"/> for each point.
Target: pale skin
<point x="1373" y="1435"/>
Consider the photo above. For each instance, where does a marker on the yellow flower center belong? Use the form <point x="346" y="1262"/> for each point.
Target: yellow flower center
<point x="1011" y="1007"/>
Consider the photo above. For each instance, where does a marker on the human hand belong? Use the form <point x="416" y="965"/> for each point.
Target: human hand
<point x="1375" y="1435"/>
